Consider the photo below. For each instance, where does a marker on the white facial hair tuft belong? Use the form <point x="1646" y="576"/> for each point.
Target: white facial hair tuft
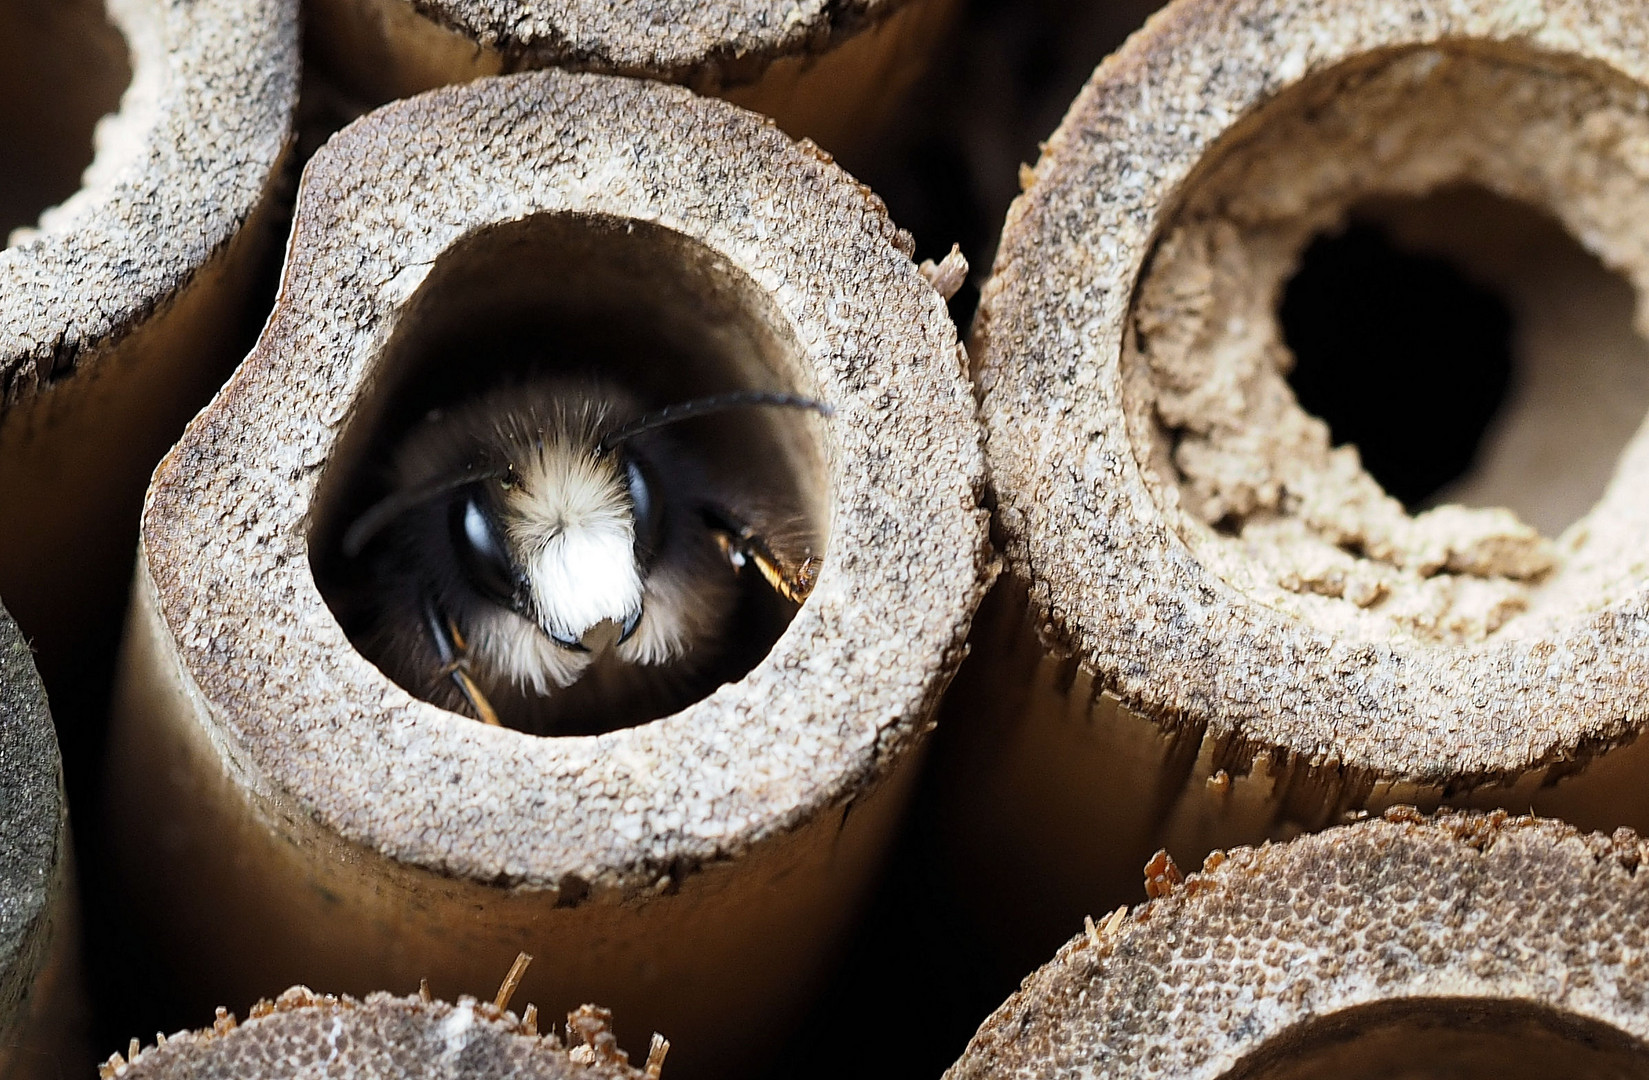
<point x="571" y="522"/>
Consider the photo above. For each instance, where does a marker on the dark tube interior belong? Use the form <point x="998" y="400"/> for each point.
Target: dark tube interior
<point x="628" y="302"/>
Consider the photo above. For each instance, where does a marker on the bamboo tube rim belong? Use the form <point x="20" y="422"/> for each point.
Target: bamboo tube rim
<point x="176" y="173"/>
<point x="1109" y="575"/>
<point x="476" y="1036"/>
<point x="33" y="830"/>
<point x="709" y="46"/>
<point x="1242" y="962"/>
<point x="319" y="735"/>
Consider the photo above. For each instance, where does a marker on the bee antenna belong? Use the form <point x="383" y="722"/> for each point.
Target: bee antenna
<point x="372" y="522"/>
<point x="687" y="410"/>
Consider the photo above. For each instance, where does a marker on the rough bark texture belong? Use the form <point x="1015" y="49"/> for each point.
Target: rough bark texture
<point x="1501" y="945"/>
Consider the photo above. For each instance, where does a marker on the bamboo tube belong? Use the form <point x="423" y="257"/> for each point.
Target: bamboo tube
<point x="120" y="307"/>
<point x="1470" y="946"/>
<point x="1214" y="626"/>
<point x="414" y="1038"/>
<point x="831" y="72"/>
<point x="39" y="1000"/>
<point x="286" y="812"/>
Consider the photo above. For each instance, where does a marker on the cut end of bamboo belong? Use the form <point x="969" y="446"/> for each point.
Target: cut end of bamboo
<point x="1180" y="523"/>
<point x="1215" y="624"/>
<point x="72" y="282"/>
<point x="139" y="206"/>
<point x="423" y="1038"/>
<point x="1466" y="945"/>
<point x="782" y="298"/>
<point x="676" y="245"/>
<point x="828" y="71"/>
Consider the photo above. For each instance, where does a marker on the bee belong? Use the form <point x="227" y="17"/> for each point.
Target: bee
<point x="550" y="555"/>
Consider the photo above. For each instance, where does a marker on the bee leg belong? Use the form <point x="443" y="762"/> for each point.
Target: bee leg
<point x="454" y="653"/>
<point x="744" y="546"/>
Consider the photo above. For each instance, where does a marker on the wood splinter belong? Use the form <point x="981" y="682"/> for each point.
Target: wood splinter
<point x="512" y="979"/>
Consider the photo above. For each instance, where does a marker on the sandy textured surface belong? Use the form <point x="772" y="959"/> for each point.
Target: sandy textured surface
<point x="1180" y="524"/>
<point x="1539" y="929"/>
<point x="302" y="1034"/>
<point x="1286" y="517"/>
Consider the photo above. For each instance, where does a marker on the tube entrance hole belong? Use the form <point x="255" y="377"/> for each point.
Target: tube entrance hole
<point x="63" y="65"/>
<point x="1448" y="1039"/>
<point x="1400" y="354"/>
<point x="1472" y="351"/>
<point x="1460" y="158"/>
<point x="531" y="310"/>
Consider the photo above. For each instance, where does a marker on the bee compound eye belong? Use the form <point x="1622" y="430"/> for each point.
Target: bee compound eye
<point x="649" y="513"/>
<point x="478" y="542"/>
<point x="628" y="631"/>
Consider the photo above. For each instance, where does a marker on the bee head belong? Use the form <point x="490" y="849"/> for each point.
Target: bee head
<point x="563" y="540"/>
<point x="558" y="521"/>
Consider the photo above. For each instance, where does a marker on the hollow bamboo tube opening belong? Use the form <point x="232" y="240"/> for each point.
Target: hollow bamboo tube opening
<point x="828" y="72"/>
<point x="410" y="1037"/>
<point x="39" y="983"/>
<point x="1467" y="946"/>
<point x="1472" y="350"/>
<point x="65" y="67"/>
<point x="1466" y="1038"/>
<point x="695" y="871"/>
<point x="650" y="313"/>
<point x="121" y="305"/>
<point x="1216" y="624"/>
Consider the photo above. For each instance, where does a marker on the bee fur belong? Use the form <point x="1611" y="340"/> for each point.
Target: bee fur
<point x="627" y="563"/>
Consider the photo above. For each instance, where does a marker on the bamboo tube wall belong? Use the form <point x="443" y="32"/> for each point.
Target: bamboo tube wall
<point x="120" y="306"/>
<point x="1466" y="946"/>
<point x="40" y="1002"/>
<point x="683" y="871"/>
<point x="832" y="73"/>
<point x="1215" y="627"/>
